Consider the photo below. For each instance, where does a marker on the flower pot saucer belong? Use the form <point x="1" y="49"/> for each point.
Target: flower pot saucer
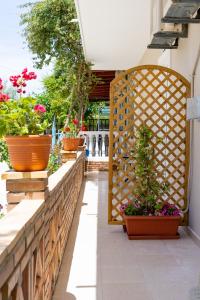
<point x="154" y="237"/>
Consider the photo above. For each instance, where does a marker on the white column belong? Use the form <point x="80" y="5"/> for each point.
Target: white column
<point x="97" y="146"/>
<point x="103" y="144"/>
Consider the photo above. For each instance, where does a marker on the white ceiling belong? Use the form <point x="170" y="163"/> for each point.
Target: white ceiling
<point x="115" y="33"/>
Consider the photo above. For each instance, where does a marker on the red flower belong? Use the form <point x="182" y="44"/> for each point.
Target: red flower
<point x="83" y="128"/>
<point x="4" y="97"/>
<point x="39" y="108"/>
<point x="75" y="121"/>
<point x="66" y="129"/>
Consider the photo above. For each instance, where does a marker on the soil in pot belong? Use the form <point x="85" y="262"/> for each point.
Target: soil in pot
<point x="29" y="153"/>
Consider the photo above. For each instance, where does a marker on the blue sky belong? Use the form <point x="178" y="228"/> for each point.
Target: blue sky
<point x="14" y="55"/>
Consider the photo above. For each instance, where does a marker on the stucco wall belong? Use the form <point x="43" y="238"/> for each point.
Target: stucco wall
<point x="183" y="60"/>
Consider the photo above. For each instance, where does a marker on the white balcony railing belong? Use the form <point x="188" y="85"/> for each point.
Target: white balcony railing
<point x="97" y="142"/>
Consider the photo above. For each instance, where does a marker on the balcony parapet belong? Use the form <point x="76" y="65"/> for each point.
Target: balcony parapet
<point x="33" y="235"/>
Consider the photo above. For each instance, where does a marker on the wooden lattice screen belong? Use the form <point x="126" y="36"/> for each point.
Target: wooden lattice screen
<point x="155" y="96"/>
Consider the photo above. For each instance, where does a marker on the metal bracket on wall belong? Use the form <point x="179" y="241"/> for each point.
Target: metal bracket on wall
<point x="183" y="12"/>
<point x="183" y="33"/>
<point x="163" y="42"/>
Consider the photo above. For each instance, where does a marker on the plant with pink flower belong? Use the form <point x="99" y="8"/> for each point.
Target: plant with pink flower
<point x="22" y="117"/>
<point x="149" y="186"/>
<point x="20" y="81"/>
<point x="39" y="108"/>
<point x="3" y="97"/>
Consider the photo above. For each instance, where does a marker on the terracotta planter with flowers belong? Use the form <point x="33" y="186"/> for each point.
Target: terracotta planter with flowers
<point x="23" y="124"/>
<point x="152" y="227"/>
<point x="35" y="153"/>
<point x="147" y="216"/>
<point x="71" y="141"/>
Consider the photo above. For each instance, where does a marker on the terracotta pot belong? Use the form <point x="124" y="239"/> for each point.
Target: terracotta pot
<point x="29" y="153"/>
<point x="152" y="227"/>
<point x="81" y="141"/>
<point x="70" y="144"/>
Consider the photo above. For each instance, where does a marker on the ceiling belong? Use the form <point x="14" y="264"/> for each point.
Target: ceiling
<point x="102" y="90"/>
<point x="115" y="33"/>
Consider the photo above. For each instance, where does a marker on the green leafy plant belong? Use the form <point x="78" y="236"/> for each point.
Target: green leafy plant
<point x="4" y="152"/>
<point x="22" y="117"/>
<point x="148" y="189"/>
<point x="72" y="127"/>
<point x="54" y="159"/>
<point x="55" y="99"/>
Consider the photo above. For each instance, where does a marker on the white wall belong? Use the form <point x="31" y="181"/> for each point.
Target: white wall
<point x="182" y="60"/>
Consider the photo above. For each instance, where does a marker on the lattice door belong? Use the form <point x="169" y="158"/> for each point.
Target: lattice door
<point x="155" y="96"/>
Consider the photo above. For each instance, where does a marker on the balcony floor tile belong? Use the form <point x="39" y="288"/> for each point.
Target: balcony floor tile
<point x="107" y="266"/>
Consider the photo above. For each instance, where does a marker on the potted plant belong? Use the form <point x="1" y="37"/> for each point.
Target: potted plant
<point x="147" y="216"/>
<point x="23" y="124"/>
<point x="71" y="140"/>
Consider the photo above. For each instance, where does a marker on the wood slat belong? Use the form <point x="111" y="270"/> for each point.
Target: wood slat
<point x="155" y="96"/>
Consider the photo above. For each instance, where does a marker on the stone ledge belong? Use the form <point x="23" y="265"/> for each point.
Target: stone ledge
<point x="64" y="170"/>
<point x="13" y="225"/>
<point x="10" y="175"/>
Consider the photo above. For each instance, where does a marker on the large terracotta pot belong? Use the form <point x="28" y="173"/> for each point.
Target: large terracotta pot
<point x="29" y="153"/>
<point x="70" y="144"/>
<point x="152" y="227"/>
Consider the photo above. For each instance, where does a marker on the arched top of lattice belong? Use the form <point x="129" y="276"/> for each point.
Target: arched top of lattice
<point x="154" y="68"/>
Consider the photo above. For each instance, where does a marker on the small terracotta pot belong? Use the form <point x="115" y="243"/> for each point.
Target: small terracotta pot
<point x="29" y="153"/>
<point x="70" y="144"/>
<point x="152" y="227"/>
<point x="81" y="141"/>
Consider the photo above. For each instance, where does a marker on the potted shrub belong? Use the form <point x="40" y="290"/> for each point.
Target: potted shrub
<point x="147" y="216"/>
<point x="23" y="124"/>
<point x="71" y="140"/>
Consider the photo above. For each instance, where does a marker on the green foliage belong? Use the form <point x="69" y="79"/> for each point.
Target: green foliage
<point x="72" y="126"/>
<point x="52" y="36"/>
<point x="92" y="110"/>
<point x="55" y="99"/>
<point x="147" y="187"/>
<point x="18" y="117"/>
<point x="54" y="159"/>
<point x="4" y="152"/>
<point x="50" y="32"/>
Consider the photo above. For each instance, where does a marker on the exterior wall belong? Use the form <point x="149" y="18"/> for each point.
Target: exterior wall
<point x="183" y="60"/>
<point x="34" y="235"/>
<point x="96" y="165"/>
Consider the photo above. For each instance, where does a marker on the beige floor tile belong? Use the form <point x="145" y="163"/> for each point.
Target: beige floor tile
<point x="133" y="291"/>
<point x="107" y="266"/>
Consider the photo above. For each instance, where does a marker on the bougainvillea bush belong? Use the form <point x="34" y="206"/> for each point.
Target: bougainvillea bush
<point x="21" y="116"/>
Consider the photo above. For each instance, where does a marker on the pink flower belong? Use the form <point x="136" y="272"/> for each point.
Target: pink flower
<point x="1" y="85"/>
<point x="39" y="108"/>
<point x="19" y="81"/>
